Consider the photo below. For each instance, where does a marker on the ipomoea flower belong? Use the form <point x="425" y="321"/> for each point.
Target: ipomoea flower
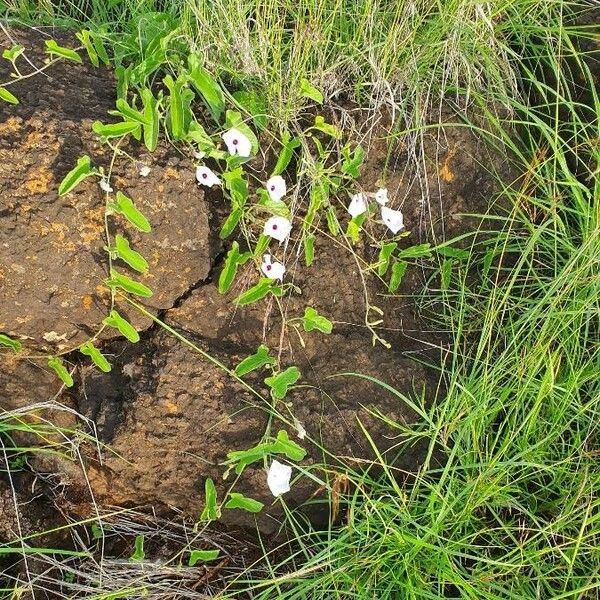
<point x="278" y="228"/>
<point x="358" y="205"/>
<point x="144" y="170"/>
<point x="272" y="269"/>
<point x="381" y="196"/>
<point x="392" y="218"/>
<point x="237" y="142"/>
<point x="276" y="187"/>
<point x="278" y="478"/>
<point x="105" y="185"/>
<point x="206" y="177"/>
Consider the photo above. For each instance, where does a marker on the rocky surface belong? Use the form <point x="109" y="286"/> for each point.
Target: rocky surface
<point x="168" y="415"/>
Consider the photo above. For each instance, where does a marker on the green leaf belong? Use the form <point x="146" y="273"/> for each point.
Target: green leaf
<point x="211" y="511"/>
<point x="234" y="258"/>
<point x="236" y="183"/>
<point x="385" y="252"/>
<point x="243" y="502"/>
<point x="84" y="36"/>
<point x="100" y="49"/>
<point x="77" y="174"/>
<point x="332" y="223"/>
<point x="112" y="130"/>
<point x="53" y="48"/>
<point x="398" y="270"/>
<point x="8" y="96"/>
<point x="280" y="383"/>
<point x="255" y="361"/>
<point x="286" y="154"/>
<point x="327" y="128"/>
<point x="309" y="249"/>
<point x="134" y="259"/>
<point x="353" y="231"/>
<point x="14" y="345"/>
<point x="352" y="161"/>
<point x="255" y="293"/>
<point x="283" y="445"/>
<point x="176" y="118"/>
<point x="319" y="194"/>
<point x="313" y="320"/>
<point x="446" y="273"/>
<point x="127" y="208"/>
<point x="56" y="364"/>
<point x="207" y="86"/>
<point x="138" y="553"/>
<point x="13" y="53"/>
<point x="125" y="327"/>
<point x="88" y="349"/>
<point x="451" y="252"/>
<point x="130" y="113"/>
<point x="151" y="130"/>
<point x="231" y="223"/>
<point x="197" y="134"/>
<point x="202" y="555"/>
<point x="117" y="280"/>
<point x="254" y="105"/>
<point x="415" y="251"/>
<point x="310" y="91"/>
<point x="243" y="458"/>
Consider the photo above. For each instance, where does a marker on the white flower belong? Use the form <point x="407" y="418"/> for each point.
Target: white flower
<point x="358" y="205"/>
<point x="299" y="429"/>
<point x="381" y="196"/>
<point x="237" y="142"/>
<point x="198" y="154"/>
<point x="278" y="228"/>
<point x="392" y="218"/>
<point x="272" y="269"/>
<point x="206" y="177"/>
<point x="144" y="170"/>
<point x="276" y="187"/>
<point x="105" y="186"/>
<point x="278" y="478"/>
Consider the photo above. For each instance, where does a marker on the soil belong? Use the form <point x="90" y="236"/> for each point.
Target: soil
<point x="167" y="415"/>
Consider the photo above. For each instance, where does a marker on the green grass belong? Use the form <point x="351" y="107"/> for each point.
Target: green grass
<point x="507" y="504"/>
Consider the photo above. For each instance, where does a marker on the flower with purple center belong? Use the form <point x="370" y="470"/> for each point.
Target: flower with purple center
<point x="272" y="268"/>
<point x="276" y="187"/>
<point x="278" y="228"/>
<point x="206" y="176"/>
<point x="237" y="142"/>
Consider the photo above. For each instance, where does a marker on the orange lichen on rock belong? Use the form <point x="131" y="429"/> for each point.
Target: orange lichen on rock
<point x="39" y="181"/>
<point x="445" y="172"/>
<point x="87" y="302"/>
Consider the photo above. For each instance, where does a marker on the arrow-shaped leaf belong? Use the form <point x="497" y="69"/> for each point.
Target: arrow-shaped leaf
<point x="53" y="48"/>
<point x="10" y="343"/>
<point x="134" y="259"/>
<point x="88" y="349"/>
<point x="313" y="320"/>
<point x="56" y="364"/>
<point x="77" y="174"/>
<point x="211" y="510"/>
<point x="125" y="327"/>
<point x="280" y="383"/>
<point x="117" y="280"/>
<point x="125" y="206"/>
<point x="237" y="500"/>
<point x="255" y="361"/>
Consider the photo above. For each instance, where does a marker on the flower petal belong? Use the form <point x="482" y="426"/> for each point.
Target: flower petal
<point x="199" y="155"/>
<point x="278" y="478"/>
<point x="144" y="170"/>
<point x="272" y="269"/>
<point x="276" y="187"/>
<point x="105" y="185"/>
<point x="301" y="432"/>
<point x="392" y="218"/>
<point x="381" y="196"/>
<point x="206" y="177"/>
<point x="358" y="205"/>
<point x="237" y="142"/>
<point x="278" y="228"/>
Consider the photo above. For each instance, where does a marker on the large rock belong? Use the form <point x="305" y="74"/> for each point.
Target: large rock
<point x="52" y="261"/>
